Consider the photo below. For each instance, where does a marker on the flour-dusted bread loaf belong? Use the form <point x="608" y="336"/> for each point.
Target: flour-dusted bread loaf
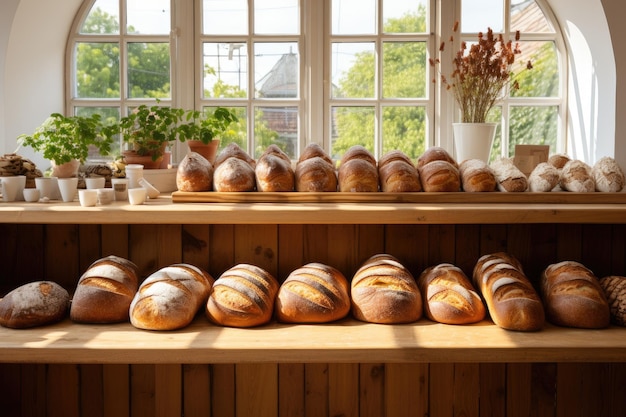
<point x="397" y="174"/>
<point x="234" y="175"/>
<point x="614" y="287"/>
<point x="384" y="291"/>
<point x="316" y="174"/>
<point x="440" y="176"/>
<point x="194" y="173"/>
<point x="435" y="153"/>
<point x="358" y="152"/>
<point x="543" y="178"/>
<point x="232" y="150"/>
<point x="558" y="160"/>
<point x="105" y="291"/>
<point x="34" y="304"/>
<point x="243" y="296"/>
<point x="313" y="293"/>
<point x="358" y="175"/>
<point x="576" y="177"/>
<point x="573" y="296"/>
<point x="608" y="175"/>
<point x="448" y="295"/>
<point x="511" y="300"/>
<point x="273" y="171"/>
<point x="170" y="298"/>
<point x="477" y="176"/>
<point x="509" y="177"/>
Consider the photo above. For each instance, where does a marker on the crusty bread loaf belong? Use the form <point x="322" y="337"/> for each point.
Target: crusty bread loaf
<point x="316" y="174"/>
<point x="576" y="177"/>
<point x="243" y="296"/>
<point x="509" y="177"/>
<point x="435" y="153"/>
<point x="397" y="174"/>
<point x="357" y="152"/>
<point x="313" y="150"/>
<point x="543" y="178"/>
<point x="358" y="175"/>
<point x="232" y="150"/>
<point x="608" y="175"/>
<point x="194" y="173"/>
<point x="313" y="293"/>
<point x="394" y="156"/>
<point x="440" y="176"/>
<point x="477" y="176"/>
<point x="558" y="160"/>
<point x="384" y="291"/>
<point x="273" y="171"/>
<point x="573" y="296"/>
<point x="170" y="298"/>
<point x="234" y="175"/>
<point x="34" y="304"/>
<point x="448" y="295"/>
<point x="511" y="300"/>
<point x="105" y="291"/>
<point x="615" y="291"/>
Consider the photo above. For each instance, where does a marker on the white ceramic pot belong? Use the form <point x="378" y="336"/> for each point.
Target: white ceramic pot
<point x="473" y="140"/>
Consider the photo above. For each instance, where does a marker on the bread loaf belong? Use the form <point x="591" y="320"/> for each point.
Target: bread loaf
<point x="313" y="150"/>
<point x="543" y="178"/>
<point x="243" y="296"/>
<point x="234" y="175"/>
<point x="34" y="304"/>
<point x="440" y="176"/>
<point x="313" y="293"/>
<point x="448" y="295"/>
<point x="615" y="291"/>
<point x="573" y="296"/>
<point x="558" y="160"/>
<point x="273" y="171"/>
<point x="384" y="291"/>
<point x="232" y="150"/>
<point x="608" y="176"/>
<point x="477" y="176"/>
<point x="194" y="173"/>
<point x="358" y="175"/>
<point x="397" y="174"/>
<point x="105" y="291"/>
<point x="576" y="177"/>
<point x="509" y="177"/>
<point x="170" y="297"/>
<point x="435" y="153"/>
<point x="316" y="174"/>
<point x="358" y="152"/>
<point x="511" y="300"/>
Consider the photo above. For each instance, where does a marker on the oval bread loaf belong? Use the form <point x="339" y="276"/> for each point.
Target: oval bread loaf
<point x="34" y="304"/>
<point x="397" y="174"/>
<point x="576" y="177"/>
<point x="608" y="175"/>
<point x="273" y="172"/>
<point x="509" y="177"/>
<point x="615" y="290"/>
<point x="313" y="293"/>
<point x="316" y="174"/>
<point x="194" y="173"/>
<point x="234" y="175"/>
<point x="477" y="176"/>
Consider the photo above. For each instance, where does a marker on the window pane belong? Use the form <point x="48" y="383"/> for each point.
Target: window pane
<point x="353" y="70"/>
<point x="276" y="125"/>
<point x="276" y="70"/>
<point x="276" y="17"/>
<point x="543" y="79"/>
<point x="404" y="69"/>
<point x="351" y="126"/>
<point x="350" y="17"/>
<point x="225" y="70"/>
<point x="533" y="126"/>
<point x="148" y="70"/>
<point x="526" y="16"/>
<point x="225" y="17"/>
<point x="148" y="17"/>
<point x="97" y="70"/>
<point x="237" y="132"/>
<point x="104" y="17"/>
<point x="405" y="16"/>
<point x="478" y="15"/>
<point x="404" y="129"/>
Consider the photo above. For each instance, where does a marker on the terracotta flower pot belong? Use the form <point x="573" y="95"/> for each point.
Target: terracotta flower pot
<point x="209" y="150"/>
<point x="66" y="170"/>
<point x="132" y="157"/>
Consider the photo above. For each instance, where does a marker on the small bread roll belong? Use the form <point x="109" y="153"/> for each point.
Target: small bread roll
<point x="313" y="150"/>
<point x="384" y="291"/>
<point x="170" y="298"/>
<point x="316" y="174"/>
<point x="34" y="304"/>
<point x="397" y="174"/>
<point x="608" y="175"/>
<point x="313" y="293"/>
<point x="543" y="178"/>
<point x="105" y="291"/>
<point x="273" y="171"/>
<point x="194" y="173"/>
<point x="440" y="176"/>
<point x="448" y="295"/>
<point x="509" y="177"/>
<point x="576" y="177"/>
<point x="615" y="290"/>
<point x="242" y="296"/>
<point x="573" y="296"/>
<point x="234" y="174"/>
<point x="358" y="175"/>
<point x="477" y="176"/>
<point x="558" y="160"/>
<point x="435" y="153"/>
<point x="233" y="150"/>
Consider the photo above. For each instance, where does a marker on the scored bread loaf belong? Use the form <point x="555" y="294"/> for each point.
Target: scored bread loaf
<point x="573" y="296"/>
<point x="316" y="174"/>
<point x="34" y="304"/>
<point x="576" y="177"/>
<point x="170" y="298"/>
<point x="397" y="174"/>
<point x="194" y="173"/>
<point x="477" y="176"/>
<point x="608" y="175"/>
<point x="440" y="176"/>
<point x="358" y="152"/>
<point x="558" y="160"/>
<point x="358" y="175"/>
<point x="234" y="175"/>
<point x="273" y="171"/>
<point x="435" y="153"/>
<point x="509" y="177"/>
<point x="313" y="293"/>
<point x="448" y="295"/>
<point x="232" y="150"/>
<point x="313" y="150"/>
<point x="615" y="290"/>
<point x="543" y="178"/>
<point x="511" y="300"/>
<point x="104" y="291"/>
<point x="384" y="291"/>
<point x="243" y="296"/>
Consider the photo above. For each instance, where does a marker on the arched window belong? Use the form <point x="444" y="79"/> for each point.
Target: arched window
<point x="333" y="72"/>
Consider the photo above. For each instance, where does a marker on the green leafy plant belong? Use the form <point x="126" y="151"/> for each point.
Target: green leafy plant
<point x="205" y="126"/>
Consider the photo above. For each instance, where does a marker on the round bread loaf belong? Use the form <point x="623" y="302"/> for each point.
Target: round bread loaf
<point x="234" y="175"/>
<point x="170" y="298"/>
<point x="558" y="160"/>
<point x="384" y="291"/>
<point x="435" y="153"/>
<point x="608" y="175"/>
<point x="315" y="174"/>
<point x="543" y="178"/>
<point x="440" y="176"/>
<point x="399" y="176"/>
<point x="615" y="290"/>
<point x="194" y="173"/>
<point x="477" y="176"/>
<point x="573" y="296"/>
<point x="358" y="175"/>
<point x="576" y="177"/>
<point x="34" y="304"/>
<point x="508" y="176"/>
<point x="448" y="295"/>
<point x="243" y="296"/>
<point x="232" y="150"/>
<point x="313" y="293"/>
<point x="313" y="150"/>
<point x="105" y="291"/>
<point x="274" y="173"/>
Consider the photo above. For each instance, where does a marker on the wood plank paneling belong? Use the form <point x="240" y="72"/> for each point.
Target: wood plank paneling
<point x="196" y="390"/>
<point x="256" y="390"/>
<point x="91" y="391"/>
<point x="343" y="389"/>
<point x="291" y="389"/>
<point x="223" y="390"/>
<point x="316" y="390"/>
<point x="62" y="391"/>
<point x="116" y="390"/>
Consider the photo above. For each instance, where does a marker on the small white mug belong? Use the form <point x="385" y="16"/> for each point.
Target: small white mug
<point x="93" y="183"/>
<point x="137" y="196"/>
<point x="31" y="195"/>
<point x="88" y="198"/>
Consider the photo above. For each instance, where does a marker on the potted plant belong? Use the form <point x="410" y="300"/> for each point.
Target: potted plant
<point x="481" y="74"/>
<point x="202" y="130"/>
<point x="66" y="140"/>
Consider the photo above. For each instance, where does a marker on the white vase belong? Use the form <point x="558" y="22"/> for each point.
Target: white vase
<point x="473" y="140"/>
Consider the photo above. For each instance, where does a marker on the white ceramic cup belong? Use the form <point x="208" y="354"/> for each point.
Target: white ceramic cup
<point x="120" y="186"/>
<point x="13" y="187"/>
<point x="93" y="183"/>
<point x="105" y="196"/>
<point x="68" y="187"/>
<point x="137" y="196"/>
<point x="48" y="187"/>
<point x="31" y="195"/>
<point x="88" y="198"/>
<point x="134" y="172"/>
